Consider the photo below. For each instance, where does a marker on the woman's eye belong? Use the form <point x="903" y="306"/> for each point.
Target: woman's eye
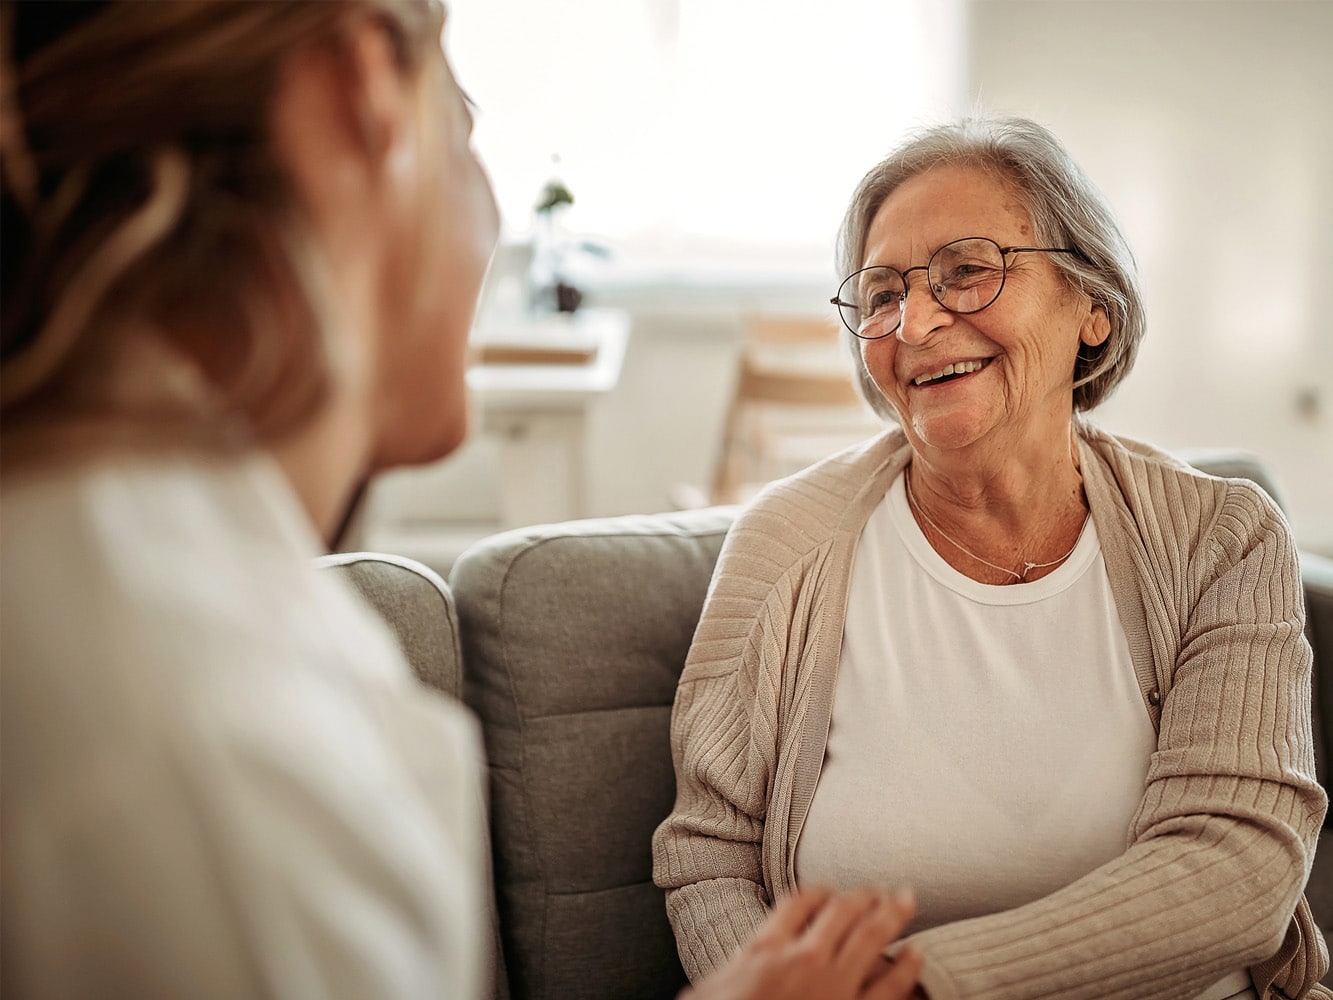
<point x="882" y="300"/>
<point x="968" y="274"/>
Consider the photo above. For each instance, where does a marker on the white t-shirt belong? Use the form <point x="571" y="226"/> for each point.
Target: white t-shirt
<point x="220" y="777"/>
<point x="988" y="744"/>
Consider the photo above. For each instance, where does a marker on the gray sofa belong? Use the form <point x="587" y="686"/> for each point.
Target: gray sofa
<point x="571" y="638"/>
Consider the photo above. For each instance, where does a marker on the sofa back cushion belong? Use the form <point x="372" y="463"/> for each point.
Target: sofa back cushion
<point x="574" y="637"/>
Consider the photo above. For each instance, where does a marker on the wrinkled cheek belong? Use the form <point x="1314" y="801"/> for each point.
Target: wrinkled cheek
<point x="877" y="357"/>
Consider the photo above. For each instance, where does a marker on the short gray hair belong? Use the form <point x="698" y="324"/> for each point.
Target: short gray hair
<point x="1066" y="210"/>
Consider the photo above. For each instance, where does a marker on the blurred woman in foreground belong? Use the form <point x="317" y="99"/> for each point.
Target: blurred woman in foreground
<point x="243" y="243"/>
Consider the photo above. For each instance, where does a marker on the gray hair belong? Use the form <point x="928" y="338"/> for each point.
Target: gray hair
<point x="1066" y="210"/>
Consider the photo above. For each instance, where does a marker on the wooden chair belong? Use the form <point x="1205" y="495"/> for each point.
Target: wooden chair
<point x="794" y="403"/>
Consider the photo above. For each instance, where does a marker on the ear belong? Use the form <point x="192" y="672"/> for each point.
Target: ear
<point x="1096" y="326"/>
<point x="381" y="97"/>
<point x="341" y="114"/>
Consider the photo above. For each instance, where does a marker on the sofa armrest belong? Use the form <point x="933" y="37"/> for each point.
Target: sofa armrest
<point x="417" y="605"/>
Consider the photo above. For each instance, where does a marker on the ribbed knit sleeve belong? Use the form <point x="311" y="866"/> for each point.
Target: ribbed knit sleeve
<point x="736" y="728"/>
<point x="707" y="852"/>
<point x="1224" y="838"/>
<point x="724" y="741"/>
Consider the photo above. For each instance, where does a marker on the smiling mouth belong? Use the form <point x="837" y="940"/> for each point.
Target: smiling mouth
<point x="950" y="372"/>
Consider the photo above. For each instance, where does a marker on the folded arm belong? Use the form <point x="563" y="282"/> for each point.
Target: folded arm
<point x="708" y="853"/>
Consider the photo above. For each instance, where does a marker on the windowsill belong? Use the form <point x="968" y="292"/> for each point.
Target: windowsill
<point x="701" y="281"/>
<point x="676" y="279"/>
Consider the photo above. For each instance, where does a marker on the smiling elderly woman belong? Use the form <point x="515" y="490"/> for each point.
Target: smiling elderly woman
<point x="1052" y="680"/>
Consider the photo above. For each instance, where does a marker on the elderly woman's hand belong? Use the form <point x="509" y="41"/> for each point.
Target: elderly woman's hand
<point x="818" y="946"/>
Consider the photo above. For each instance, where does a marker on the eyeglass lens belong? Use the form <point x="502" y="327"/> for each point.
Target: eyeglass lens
<point x="964" y="276"/>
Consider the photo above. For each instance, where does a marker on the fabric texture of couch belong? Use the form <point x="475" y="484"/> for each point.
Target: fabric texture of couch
<point x="417" y="604"/>
<point x="573" y="640"/>
<point x="572" y="637"/>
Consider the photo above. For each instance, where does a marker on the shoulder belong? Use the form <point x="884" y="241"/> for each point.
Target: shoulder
<point x="1150" y="479"/>
<point x="788" y="530"/>
<point x="161" y="603"/>
<point x="151" y="554"/>
<point x="201" y="707"/>
<point x="1174" y="509"/>
<point x="797" y="515"/>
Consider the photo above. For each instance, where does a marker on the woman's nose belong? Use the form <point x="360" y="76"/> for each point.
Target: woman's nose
<point x="921" y="315"/>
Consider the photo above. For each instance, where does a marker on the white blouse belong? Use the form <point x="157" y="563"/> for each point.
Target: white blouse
<point x="221" y="779"/>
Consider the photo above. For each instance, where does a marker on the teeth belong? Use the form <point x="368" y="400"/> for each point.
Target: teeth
<point x="958" y="368"/>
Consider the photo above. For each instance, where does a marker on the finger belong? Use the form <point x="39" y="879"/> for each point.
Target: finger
<point x="882" y="926"/>
<point x="839" y="917"/>
<point x="863" y="951"/>
<point x="897" y="982"/>
<point x="792" y="914"/>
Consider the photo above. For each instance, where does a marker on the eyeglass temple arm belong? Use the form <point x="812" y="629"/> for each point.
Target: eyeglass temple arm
<point x="1037" y="250"/>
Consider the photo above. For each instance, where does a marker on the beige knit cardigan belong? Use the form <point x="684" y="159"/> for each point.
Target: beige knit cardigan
<point x="1207" y="587"/>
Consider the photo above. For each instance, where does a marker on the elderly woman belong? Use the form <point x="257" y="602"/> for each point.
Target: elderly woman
<point x="243" y="243"/>
<point x="1053" y="680"/>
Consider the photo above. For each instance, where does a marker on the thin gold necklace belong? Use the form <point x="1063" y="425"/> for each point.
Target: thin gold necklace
<point x="1028" y="567"/>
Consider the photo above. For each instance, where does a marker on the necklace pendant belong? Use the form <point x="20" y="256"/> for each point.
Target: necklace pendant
<point x="1028" y="567"/>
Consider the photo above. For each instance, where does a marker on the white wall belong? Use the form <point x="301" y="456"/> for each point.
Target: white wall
<point x="1206" y="124"/>
<point x="1203" y="122"/>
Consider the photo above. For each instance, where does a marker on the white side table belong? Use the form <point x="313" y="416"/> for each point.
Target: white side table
<point x="540" y="411"/>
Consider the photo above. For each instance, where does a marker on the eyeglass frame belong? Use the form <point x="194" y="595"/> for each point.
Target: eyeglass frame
<point x="902" y="296"/>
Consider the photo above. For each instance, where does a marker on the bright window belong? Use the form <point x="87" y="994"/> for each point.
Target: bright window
<point x="722" y="129"/>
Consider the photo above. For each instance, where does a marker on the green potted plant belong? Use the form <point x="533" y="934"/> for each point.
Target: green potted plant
<point x="548" y="288"/>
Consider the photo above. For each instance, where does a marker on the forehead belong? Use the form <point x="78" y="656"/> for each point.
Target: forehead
<point x="938" y="206"/>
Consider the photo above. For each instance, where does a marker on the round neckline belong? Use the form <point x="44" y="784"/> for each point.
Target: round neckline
<point x="923" y="553"/>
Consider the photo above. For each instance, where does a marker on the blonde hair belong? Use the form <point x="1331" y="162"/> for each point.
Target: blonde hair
<point x="142" y="192"/>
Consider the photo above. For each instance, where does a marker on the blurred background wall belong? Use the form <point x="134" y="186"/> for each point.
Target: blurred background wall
<point x="711" y="147"/>
<point x="1205" y="125"/>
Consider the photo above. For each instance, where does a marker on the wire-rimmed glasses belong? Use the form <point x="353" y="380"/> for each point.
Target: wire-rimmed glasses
<point x="965" y="276"/>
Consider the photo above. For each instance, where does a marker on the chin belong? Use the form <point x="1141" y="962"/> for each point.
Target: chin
<point x="421" y="444"/>
<point x="949" y="433"/>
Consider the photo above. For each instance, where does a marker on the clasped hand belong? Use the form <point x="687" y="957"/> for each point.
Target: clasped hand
<point x="816" y="945"/>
